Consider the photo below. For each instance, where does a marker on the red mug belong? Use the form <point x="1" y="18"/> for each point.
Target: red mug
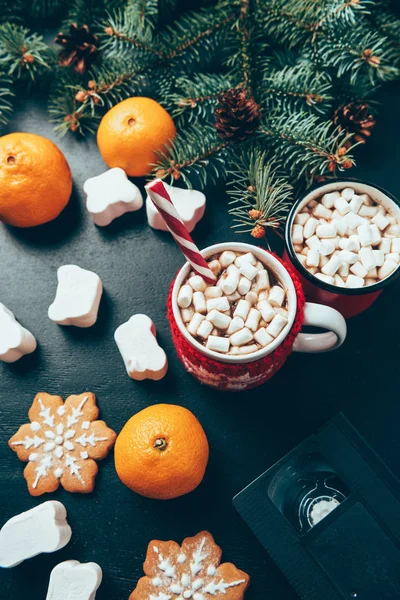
<point x="348" y="301"/>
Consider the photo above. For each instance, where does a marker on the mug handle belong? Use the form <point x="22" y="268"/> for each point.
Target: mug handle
<point x="319" y="315"/>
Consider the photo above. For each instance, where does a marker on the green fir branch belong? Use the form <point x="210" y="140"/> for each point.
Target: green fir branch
<point x="22" y="53"/>
<point x="261" y="196"/>
<point x="6" y="99"/>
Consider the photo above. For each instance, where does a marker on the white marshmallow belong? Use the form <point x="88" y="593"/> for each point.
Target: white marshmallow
<point x="312" y="259"/>
<point x="387" y="268"/>
<point x="368" y="260"/>
<point x="253" y="319"/>
<point x="373" y="273"/>
<point x="354" y="243"/>
<point x="235" y="325"/>
<point x="365" y="234"/>
<point x="393" y="256"/>
<point x="246" y="258"/>
<point x="187" y="314"/>
<point x="244" y="286"/>
<point x="242" y="309"/>
<point x="240" y="350"/>
<point x="368" y="211"/>
<point x="197" y="283"/>
<point x="347" y="193"/>
<point x="15" y="340"/>
<point x="111" y="195"/>
<point x="302" y="259"/>
<point x="305" y="250"/>
<point x="328" y="200"/>
<point x="266" y="310"/>
<point x="137" y="343"/>
<point x="332" y="266"/>
<point x="348" y="257"/>
<point x="354" y="282"/>
<point x="195" y="323"/>
<point x="221" y="304"/>
<point x="369" y="281"/>
<point x="190" y="204"/>
<point x="359" y="270"/>
<point x="234" y="297"/>
<point x="213" y="291"/>
<point x="276" y="295"/>
<point x="380" y="221"/>
<point x="376" y="235"/>
<point x="341" y="226"/>
<point x="310" y="227"/>
<point x="367" y="200"/>
<point x="342" y="206"/>
<point x="262" y="337"/>
<point x="353" y="221"/>
<point x="185" y="296"/>
<point x="355" y="203"/>
<point x="327" y="247"/>
<point x="241" y="337"/>
<point x="218" y="319"/>
<point x="227" y="258"/>
<point x="276" y="325"/>
<point x="248" y="270"/>
<point x="321" y="212"/>
<point x="218" y="344"/>
<point x="297" y="234"/>
<point x="323" y="260"/>
<point x="301" y="218"/>
<point x="339" y="281"/>
<point x="205" y="329"/>
<point x="262" y="281"/>
<point x="393" y="230"/>
<point x="77" y="298"/>
<point x="215" y="267"/>
<point x="385" y="245"/>
<point x="395" y="245"/>
<point x="41" y="529"/>
<point x="252" y="297"/>
<point x="327" y="230"/>
<point x="344" y="269"/>
<point x="74" y="580"/>
<point x="199" y="302"/>
<point x="325" y="278"/>
<point x="230" y="283"/>
<point x="314" y="243"/>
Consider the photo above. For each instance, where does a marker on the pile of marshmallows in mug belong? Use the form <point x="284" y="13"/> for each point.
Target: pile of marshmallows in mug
<point x="242" y="313"/>
<point x="346" y="239"/>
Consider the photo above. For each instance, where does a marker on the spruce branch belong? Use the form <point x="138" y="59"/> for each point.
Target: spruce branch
<point x="6" y="99"/>
<point x="307" y="147"/>
<point x="65" y="111"/>
<point x="23" y="53"/>
<point x="261" y="196"/>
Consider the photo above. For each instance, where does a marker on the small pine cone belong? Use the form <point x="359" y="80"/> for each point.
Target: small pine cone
<point x="254" y="214"/>
<point x="237" y="115"/>
<point x="355" y="117"/>
<point x="79" y="48"/>
<point x="258" y="232"/>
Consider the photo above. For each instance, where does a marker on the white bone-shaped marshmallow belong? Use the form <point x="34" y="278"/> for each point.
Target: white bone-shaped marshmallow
<point x="77" y="298"/>
<point x="190" y="205"/>
<point x="41" y="529"/>
<point x="111" y="195"/>
<point x="15" y="340"/>
<point x="137" y="343"/>
<point x="74" y="581"/>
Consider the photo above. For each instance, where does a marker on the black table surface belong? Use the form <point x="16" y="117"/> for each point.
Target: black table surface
<point x="247" y="432"/>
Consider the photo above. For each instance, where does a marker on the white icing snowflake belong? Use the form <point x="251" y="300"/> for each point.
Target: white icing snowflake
<point x="60" y="442"/>
<point x="189" y="572"/>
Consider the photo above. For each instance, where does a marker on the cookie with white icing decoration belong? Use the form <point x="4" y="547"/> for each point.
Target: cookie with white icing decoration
<point x="61" y="443"/>
<point x="77" y="298"/>
<point x="137" y="343"/>
<point x="75" y="581"/>
<point x="41" y="529"/>
<point x="191" y="571"/>
<point x="15" y="340"/>
<point x="111" y="195"/>
<point x="190" y="205"/>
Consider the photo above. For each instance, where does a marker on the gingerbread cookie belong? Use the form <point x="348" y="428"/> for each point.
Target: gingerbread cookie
<point x="191" y="571"/>
<point x="61" y="443"/>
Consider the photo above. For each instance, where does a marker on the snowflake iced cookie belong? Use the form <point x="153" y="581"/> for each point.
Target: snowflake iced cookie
<point x="137" y="343"/>
<point x="61" y="443"/>
<point x="73" y="580"/>
<point x="77" y="298"/>
<point x="41" y="529"/>
<point x="15" y="340"/>
<point x="191" y="571"/>
<point x="190" y="205"/>
<point x="111" y="195"/>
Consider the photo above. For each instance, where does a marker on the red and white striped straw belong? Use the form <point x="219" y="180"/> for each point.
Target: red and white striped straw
<point x="162" y="201"/>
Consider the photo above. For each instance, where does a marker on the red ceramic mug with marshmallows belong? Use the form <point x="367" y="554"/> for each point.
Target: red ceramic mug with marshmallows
<point x="236" y="373"/>
<point x="348" y="301"/>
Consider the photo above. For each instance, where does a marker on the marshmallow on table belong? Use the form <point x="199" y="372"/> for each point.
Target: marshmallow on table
<point x="77" y="298"/>
<point x="41" y="529"/>
<point x="137" y="343"/>
<point x="15" y="340"/>
<point x="72" y="580"/>
<point x="111" y="195"/>
<point x="190" y="205"/>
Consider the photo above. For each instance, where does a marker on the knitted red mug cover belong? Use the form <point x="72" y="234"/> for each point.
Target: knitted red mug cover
<point x="237" y="377"/>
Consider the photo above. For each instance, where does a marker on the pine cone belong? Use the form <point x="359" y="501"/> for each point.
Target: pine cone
<point x="79" y="48"/>
<point x="237" y="116"/>
<point x="355" y="117"/>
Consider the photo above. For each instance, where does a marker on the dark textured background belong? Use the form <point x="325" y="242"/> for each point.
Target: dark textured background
<point x="247" y="432"/>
